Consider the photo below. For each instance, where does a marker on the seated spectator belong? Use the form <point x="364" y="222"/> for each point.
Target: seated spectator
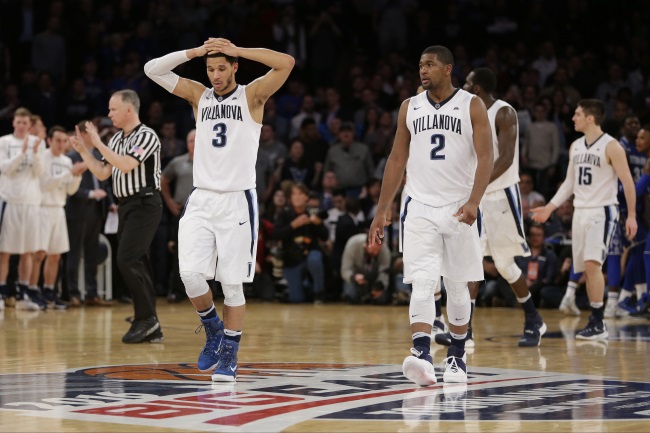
<point x="540" y="268"/>
<point x="528" y="194"/>
<point x="300" y="232"/>
<point x="296" y="169"/>
<point x="365" y="271"/>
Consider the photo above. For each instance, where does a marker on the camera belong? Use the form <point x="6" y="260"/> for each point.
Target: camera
<point x="314" y="211"/>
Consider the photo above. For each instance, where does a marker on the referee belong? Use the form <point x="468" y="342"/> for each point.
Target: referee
<point x="132" y="157"/>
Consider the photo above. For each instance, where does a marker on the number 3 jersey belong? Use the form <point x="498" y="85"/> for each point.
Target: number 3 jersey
<point x="227" y="139"/>
<point x="595" y="182"/>
<point x="442" y="160"/>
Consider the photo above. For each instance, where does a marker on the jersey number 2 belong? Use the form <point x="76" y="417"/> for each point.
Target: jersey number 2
<point x="437" y="140"/>
<point x="220" y="139"/>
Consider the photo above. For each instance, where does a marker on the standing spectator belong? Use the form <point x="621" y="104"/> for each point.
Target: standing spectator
<point x="275" y="149"/>
<point x="132" y="158"/>
<point x="541" y="149"/>
<point x="365" y="271"/>
<point x="546" y="63"/>
<point x="350" y="160"/>
<point x="86" y="211"/>
<point x="179" y="174"/>
<point x="20" y="170"/>
<point x="59" y="179"/>
<point x="49" y="52"/>
<point x="307" y="110"/>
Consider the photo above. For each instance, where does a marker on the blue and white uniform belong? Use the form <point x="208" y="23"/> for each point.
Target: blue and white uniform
<point x="218" y="228"/>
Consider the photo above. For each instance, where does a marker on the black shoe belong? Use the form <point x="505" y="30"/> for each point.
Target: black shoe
<point x="155" y="337"/>
<point x="533" y="332"/>
<point x="53" y="300"/>
<point x="140" y="330"/>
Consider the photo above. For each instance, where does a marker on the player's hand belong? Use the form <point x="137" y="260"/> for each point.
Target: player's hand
<point x="37" y="145"/>
<point x="174" y="207"/>
<point x="221" y="45"/>
<point x="540" y="214"/>
<point x="376" y="233"/>
<point x="78" y="168"/>
<point x="98" y="194"/>
<point x="630" y="227"/>
<point x="200" y="51"/>
<point x="26" y="143"/>
<point x="467" y="213"/>
<point x="360" y="279"/>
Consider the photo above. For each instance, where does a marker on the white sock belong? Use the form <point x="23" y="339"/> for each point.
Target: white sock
<point x="571" y="288"/>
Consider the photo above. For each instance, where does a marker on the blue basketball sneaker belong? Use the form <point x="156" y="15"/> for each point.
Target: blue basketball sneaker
<point x="209" y="356"/>
<point x="226" y="370"/>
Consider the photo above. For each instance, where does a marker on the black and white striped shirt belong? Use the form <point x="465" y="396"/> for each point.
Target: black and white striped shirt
<point x="144" y="145"/>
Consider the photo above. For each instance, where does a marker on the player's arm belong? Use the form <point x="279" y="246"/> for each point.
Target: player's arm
<point x="9" y="166"/>
<point x="542" y="213"/>
<point x="393" y="174"/>
<point x="485" y="158"/>
<point x="261" y="89"/>
<point x="507" y="131"/>
<point x="160" y="71"/>
<point x="617" y="157"/>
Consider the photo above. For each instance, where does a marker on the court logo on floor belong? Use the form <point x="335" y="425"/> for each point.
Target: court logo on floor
<point x="272" y="397"/>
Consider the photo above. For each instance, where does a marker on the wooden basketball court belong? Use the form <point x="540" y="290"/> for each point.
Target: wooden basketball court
<point x="322" y="368"/>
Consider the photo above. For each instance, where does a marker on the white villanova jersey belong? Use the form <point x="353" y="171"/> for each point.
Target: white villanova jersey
<point x="19" y="177"/>
<point x="442" y="160"/>
<point x="595" y="182"/>
<point x="511" y="175"/>
<point x="57" y="181"/>
<point x="227" y="139"/>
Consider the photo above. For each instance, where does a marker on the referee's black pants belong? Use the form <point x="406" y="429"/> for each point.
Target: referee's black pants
<point x="139" y="218"/>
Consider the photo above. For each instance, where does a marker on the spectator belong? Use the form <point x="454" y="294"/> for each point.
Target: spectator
<point x="171" y="145"/>
<point x="541" y="149"/>
<point x="529" y="196"/>
<point x="365" y="271"/>
<point x="350" y="160"/>
<point x="540" y="268"/>
<point x="328" y="185"/>
<point x="295" y="169"/>
<point x="300" y="229"/>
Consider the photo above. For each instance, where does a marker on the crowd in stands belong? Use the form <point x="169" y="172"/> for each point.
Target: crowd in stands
<point x="328" y="132"/>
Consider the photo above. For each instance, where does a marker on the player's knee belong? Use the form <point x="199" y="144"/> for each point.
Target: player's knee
<point x="233" y="295"/>
<point x="195" y="284"/>
<point x="508" y="270"/>
<point x="457" y="293"/>
<point x="423" y="288"/>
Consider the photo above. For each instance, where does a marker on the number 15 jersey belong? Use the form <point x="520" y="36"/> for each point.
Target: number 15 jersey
<point x="595" y="182"/>
<point x="227" y="139"/>
<point x="442" y="160"/>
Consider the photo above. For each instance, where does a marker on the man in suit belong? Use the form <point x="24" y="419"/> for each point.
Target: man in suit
<point x="85" y="212"/>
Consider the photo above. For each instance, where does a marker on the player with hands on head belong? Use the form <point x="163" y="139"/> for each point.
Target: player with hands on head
<point x="218" y="229"/>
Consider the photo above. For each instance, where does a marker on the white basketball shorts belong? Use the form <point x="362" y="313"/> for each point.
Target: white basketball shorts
<point x="502" y="234"/>
<point x="436" y="244"/>
<point x="19" y="228"/>
<point x="592" y="231"/>
<point x="217" y="235"/>
<point x="54" y="231"/>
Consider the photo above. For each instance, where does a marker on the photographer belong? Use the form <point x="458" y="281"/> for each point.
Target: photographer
<point x="364" y="270"/>
<point x="300" y="229"/>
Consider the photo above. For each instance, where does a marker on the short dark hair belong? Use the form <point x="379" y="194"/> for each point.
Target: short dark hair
<point x="593" y="107"/>
<point x="486" y="78"/>
<point x="130" y="97"/>
<point x="230" y="59"/>
<point x="56" y="128"/>
<point x="443" y="54"/>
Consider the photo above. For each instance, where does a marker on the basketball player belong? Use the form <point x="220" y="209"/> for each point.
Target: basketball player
<point x="596" y="160"/>
<point x="502" y="231"/>
<point x="59" y="179"/>
<point x="20" y="169"/>
<point x="217" y="231"/>
<point x="443" y="140"/>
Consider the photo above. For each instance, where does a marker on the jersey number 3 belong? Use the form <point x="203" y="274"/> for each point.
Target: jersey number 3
<point x="437" y="140"/>
<point x="220" y="132"/>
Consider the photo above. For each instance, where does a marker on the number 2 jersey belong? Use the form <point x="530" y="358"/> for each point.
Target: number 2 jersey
<point x="595" y="182"/>
<point x="227" y="139"/>
<point x="442" y="160"/>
